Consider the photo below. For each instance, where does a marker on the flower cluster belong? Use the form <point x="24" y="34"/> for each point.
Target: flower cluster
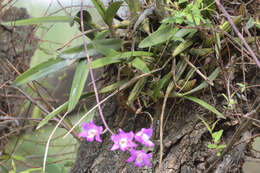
<point x="123" y="141"/>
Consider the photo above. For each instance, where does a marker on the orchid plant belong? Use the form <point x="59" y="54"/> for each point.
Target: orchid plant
<point x="123" y="141"/>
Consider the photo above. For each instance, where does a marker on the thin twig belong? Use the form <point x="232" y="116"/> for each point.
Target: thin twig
<point x="91" y="70"/>
<point x="238" y="33"/>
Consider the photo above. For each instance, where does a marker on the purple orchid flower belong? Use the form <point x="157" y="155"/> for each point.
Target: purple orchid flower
<point x="140" y="158"/>
<point x="91" y="131"/>
<point x="123" y="141"/>
<point x="143" y="136"/>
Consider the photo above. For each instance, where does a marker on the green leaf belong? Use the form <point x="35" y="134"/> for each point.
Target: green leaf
<point x="205" y="105"/>
<point x="161" y="84"/>
<point x="96" y="47"/>
<point x="160" y="36"/>
<point x="140" y="65"/>
<point x="111" y="12"/>
<point x="78" y="83"/>
<point x="100" y="8"/>
<point x="136" y="90"/>
<point x="117" y="58"/>
<point x="52" y="114"/>
<point x="42" y="70"/>
<point x="38" y="20"/>
<point x="134" y="6"/>
<point x="212" y="146"/>
<point x="217" y="135"/>
<point x="214" y="125"/>
<point x="105" y="46"/>
<point x="249" y="24"/>
<point x="182" y="47"/>
<point x="221" y="146"/>
<point x="87" y="22"/>
<point x="204" y="84"/>
<point x="64" y="106"/>
<point x="31" y="170"/>
<point x="206" y="124"/>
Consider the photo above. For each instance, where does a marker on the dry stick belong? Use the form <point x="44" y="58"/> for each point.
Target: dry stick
<point x="49" y="140"/>
<point x="79" y="35"/>
<point x="91" y="70"/>
<point x="238" y="33"/>
<point x="168" y="91"/>
<point x="198" y="71"/>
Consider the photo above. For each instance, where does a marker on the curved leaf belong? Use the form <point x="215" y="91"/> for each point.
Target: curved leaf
<point x="160" y="36"/>
<point x="134" y="6"/>
<point x="205" y="105"/>
<point x="140" y="65"/>
<point x="96" y="47"/>
<point x="39" y="20"/>
<point x="117" y="58"/>
<point x="111" y="11"/>
<point x="42" y="70"/>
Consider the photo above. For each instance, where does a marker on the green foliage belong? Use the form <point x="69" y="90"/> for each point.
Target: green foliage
<point x="135" y="7"/>
<point x="42" y="70"/>
<point x="215" y="137"/>
<point x="205" y="105"/>
<point x="39" y="20"/>
<point x="189" y="14"/>
<point x="111" y="12"/>
<point x="159" y="53"/>
<point x="78" y="83"/>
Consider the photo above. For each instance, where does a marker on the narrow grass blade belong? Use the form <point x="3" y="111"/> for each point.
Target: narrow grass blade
<point x="42" y="70"/>
<point x="38" y="20"/>
<point x="78" y="83"/>
<point x="52" y="114"/>
<point x="205" y="105"/>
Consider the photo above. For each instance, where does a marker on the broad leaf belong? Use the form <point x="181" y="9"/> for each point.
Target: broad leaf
<point x="111" y="12"/>
<point x="87" y="22"/>
<point x="217" y="135"/>
<point x="134" y="6"/>
<point x="140" y="65"/>
<point x="42" y="70"/>
<point x="105" y="46"/>
<point x="39" y="20"/>
<point x="78" y="83"/>
<point x="78" y="52"/>
<point x="205" y="105"/>
<point x="160" y="36"/>
<point x="182" y="47"/>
